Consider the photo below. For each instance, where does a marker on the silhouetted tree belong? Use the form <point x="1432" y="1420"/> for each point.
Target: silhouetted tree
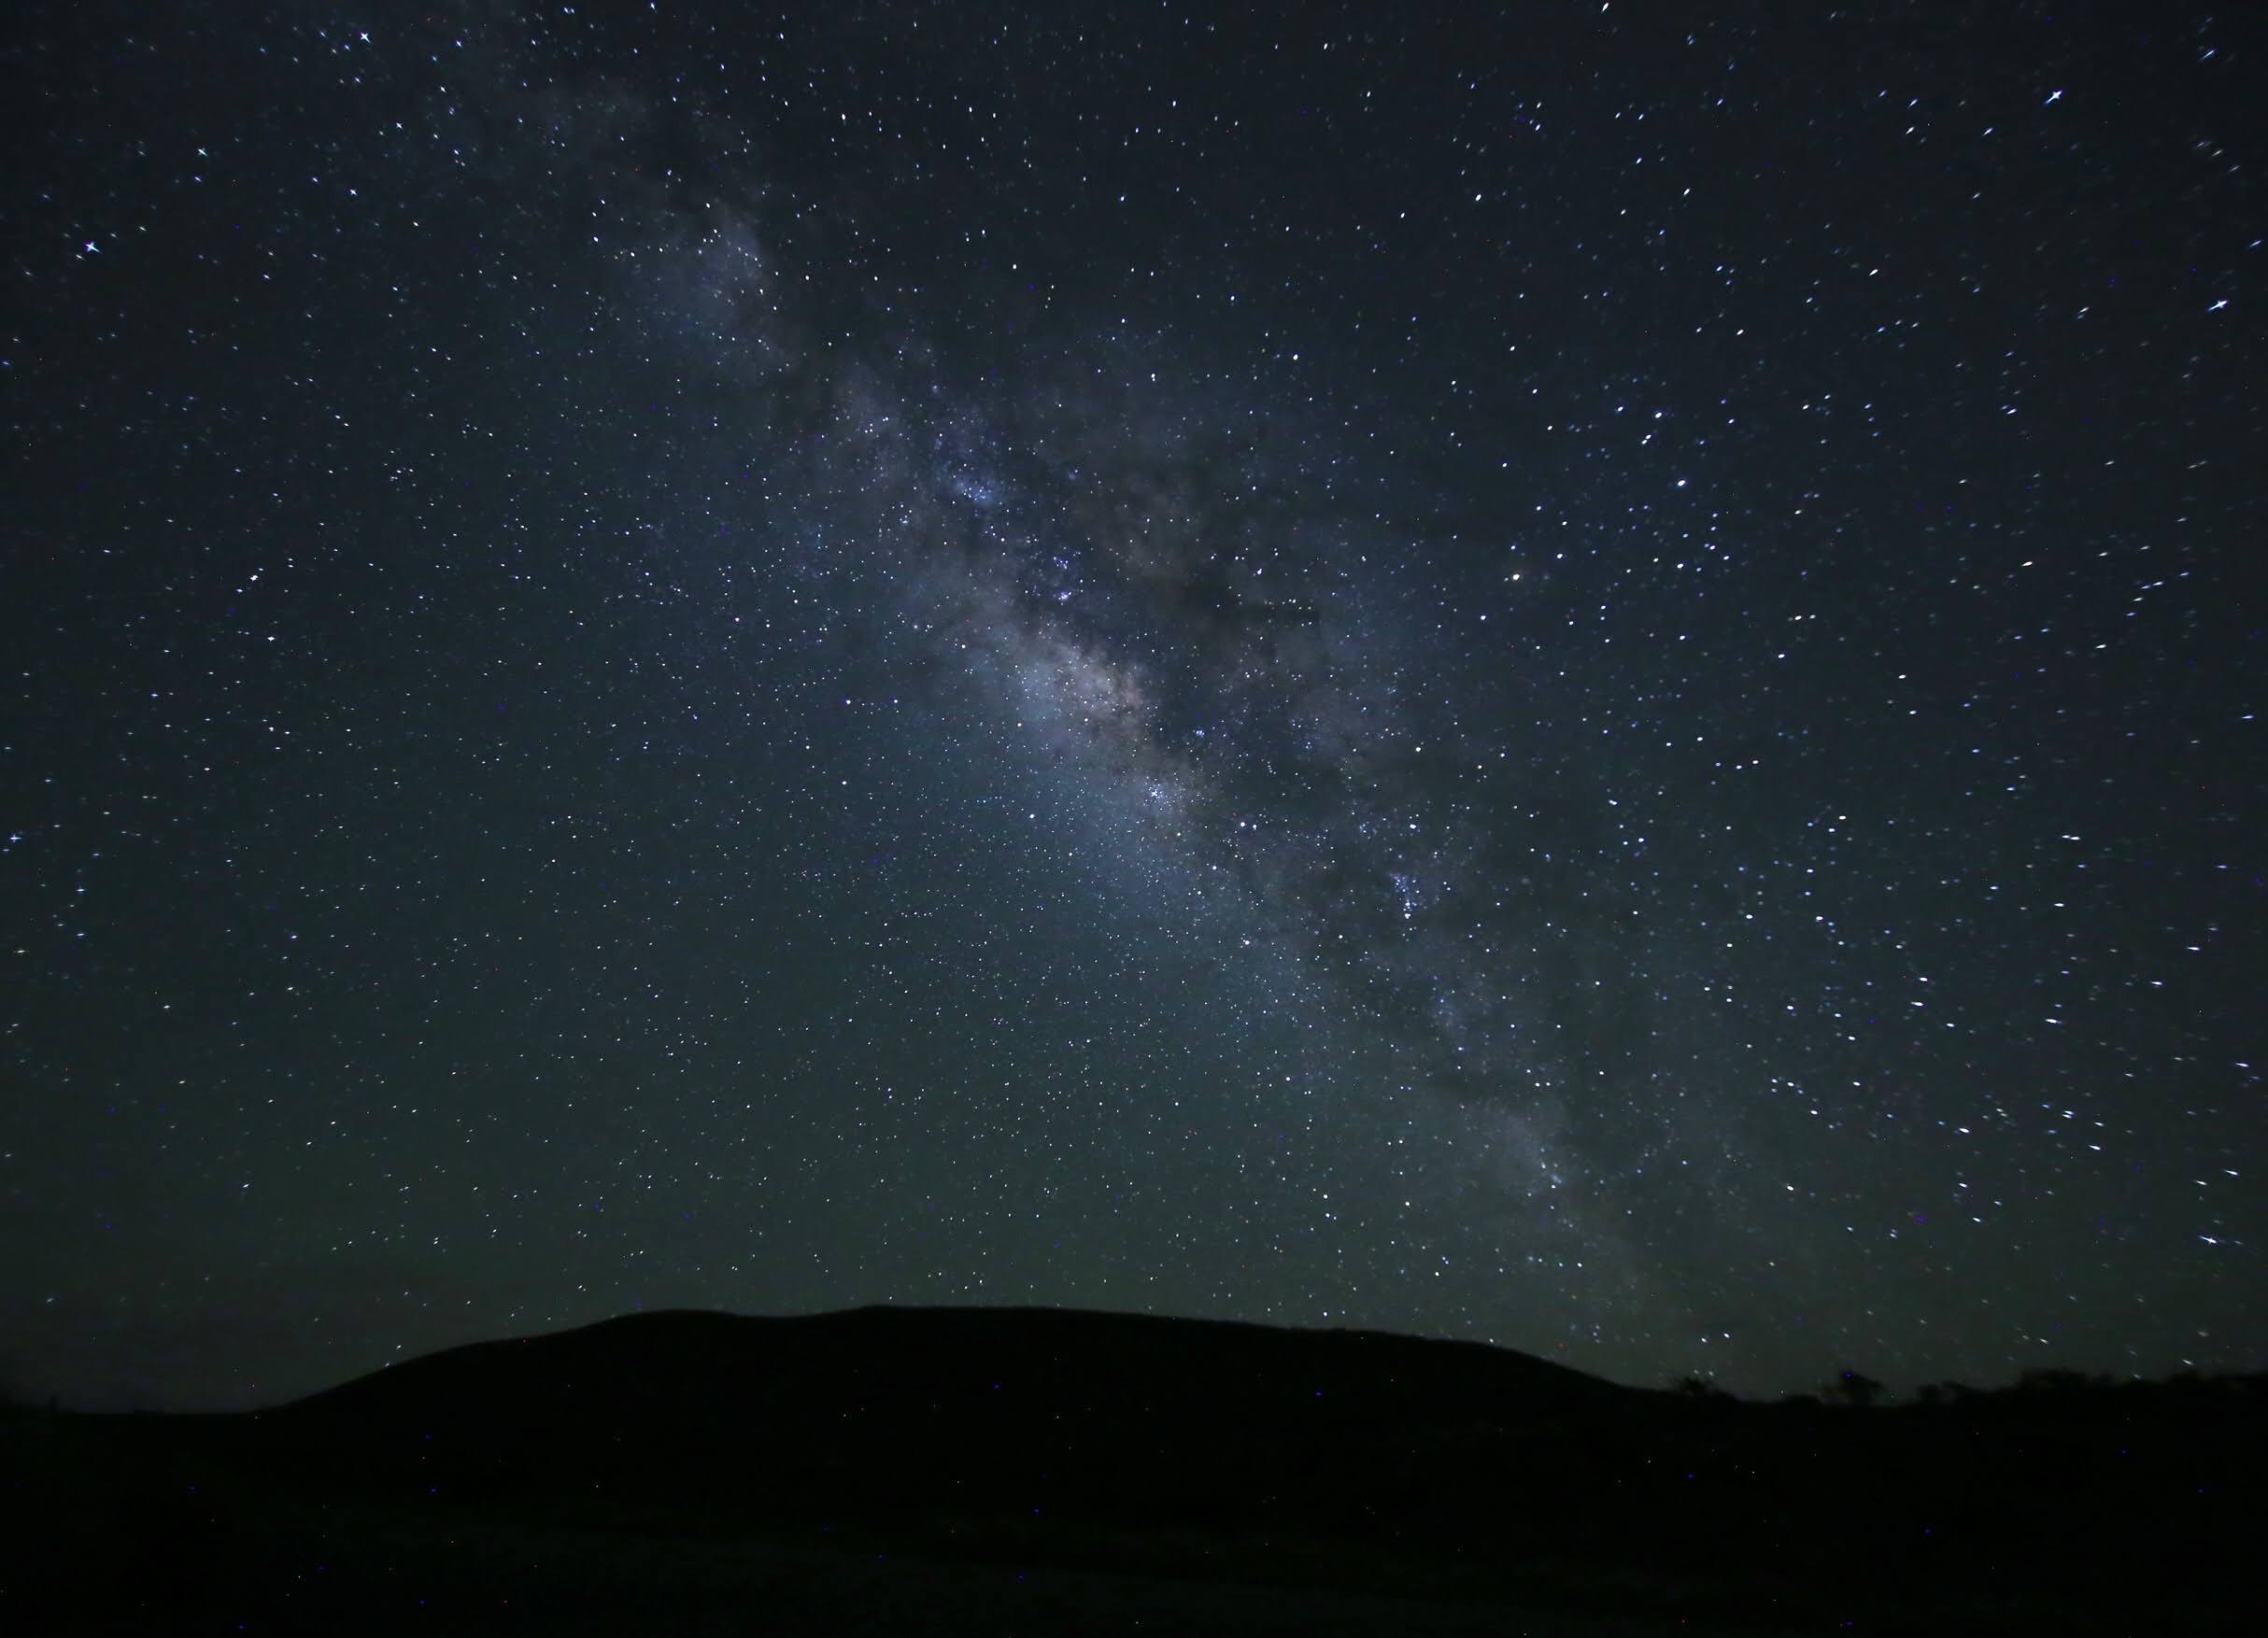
<point x="1854" y="1390"/>
<point x="2052" y="1380"/>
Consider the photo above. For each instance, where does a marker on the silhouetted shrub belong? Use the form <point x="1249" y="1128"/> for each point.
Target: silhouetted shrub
<point x="1855" y="1389"/>
<point x="2060" y="1382"/>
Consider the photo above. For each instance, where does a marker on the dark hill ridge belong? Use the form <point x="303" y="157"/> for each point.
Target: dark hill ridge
<point x="903" y="1417"/>
<point x="692" y="1470"/>
<point x="682" y="1365"/>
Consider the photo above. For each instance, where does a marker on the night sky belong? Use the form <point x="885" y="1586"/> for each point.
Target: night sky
<point x="1576" y="676"/>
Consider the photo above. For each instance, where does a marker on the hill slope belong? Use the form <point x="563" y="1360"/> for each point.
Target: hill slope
<point x="695" y="1470"/>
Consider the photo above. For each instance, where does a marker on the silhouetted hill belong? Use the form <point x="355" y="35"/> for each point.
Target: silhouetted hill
<point x="1041" y="1359"/>
<point x="1028" y="1470"/>
<point x="1011" y="1403"/>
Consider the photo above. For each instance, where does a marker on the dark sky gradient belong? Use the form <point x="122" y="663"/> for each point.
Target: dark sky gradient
<point x="1588" y="681"/>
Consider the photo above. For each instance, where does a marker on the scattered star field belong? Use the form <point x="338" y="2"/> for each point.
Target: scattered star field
<point x="1579" y="676"/>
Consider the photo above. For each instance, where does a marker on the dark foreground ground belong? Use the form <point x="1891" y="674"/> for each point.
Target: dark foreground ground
<point x="1005" y="1471"/>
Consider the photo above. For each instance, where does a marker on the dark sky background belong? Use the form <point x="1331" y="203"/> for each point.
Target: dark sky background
<point x="1579" y="676"/>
